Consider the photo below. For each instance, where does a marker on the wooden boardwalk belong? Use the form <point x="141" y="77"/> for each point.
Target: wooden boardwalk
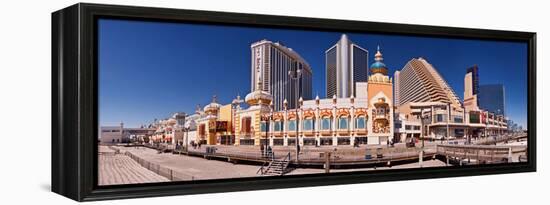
<point x="117" y="168"/>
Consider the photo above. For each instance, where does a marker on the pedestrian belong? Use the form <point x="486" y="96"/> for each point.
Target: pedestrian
<point x="262" y="150"/>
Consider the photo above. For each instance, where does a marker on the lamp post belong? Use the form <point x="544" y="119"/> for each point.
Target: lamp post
<point x="296" y="75"/>
<point x="448" y="118"/>
<point x="422" y="125"/>
<point x="267" y="119"/>
<point x="186" y="127"/>
<point x="421" y="154"/>
<point x="498" y="121"/>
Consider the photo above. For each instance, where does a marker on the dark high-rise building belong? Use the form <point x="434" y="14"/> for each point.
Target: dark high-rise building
<point x="271" y="62"/>
<point x="475" y="79"/>
<point x="346" y="63"/>
<point x="491" y="98"/>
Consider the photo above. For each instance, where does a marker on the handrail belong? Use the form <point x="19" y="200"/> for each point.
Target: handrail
<point x="262" y="170"/>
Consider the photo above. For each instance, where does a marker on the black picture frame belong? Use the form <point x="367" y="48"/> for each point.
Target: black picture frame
<point x="75" y="103"/>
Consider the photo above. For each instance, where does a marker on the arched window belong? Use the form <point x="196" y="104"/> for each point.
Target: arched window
<point x="308" y="124"/>
<point x="292" y="125"/>
<point x="278" y="126"/>
<point x="325" y="124"/>
<point x="360" y="122"/>
<point x="343" y="123"/>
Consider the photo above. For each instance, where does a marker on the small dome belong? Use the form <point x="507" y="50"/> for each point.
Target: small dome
<point x="213" y="107"/>
<point x="378" y="65"/>
<point x="258" y="97"/>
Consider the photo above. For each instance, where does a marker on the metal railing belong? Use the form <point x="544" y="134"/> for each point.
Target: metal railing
<point x="488" y="153"/>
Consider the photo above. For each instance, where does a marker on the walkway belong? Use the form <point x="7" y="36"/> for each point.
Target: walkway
<point x="121" y="169"/>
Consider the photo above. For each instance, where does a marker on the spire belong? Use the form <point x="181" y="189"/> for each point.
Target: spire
<point x="378" y="55"/>
<point x="378" y="66"/>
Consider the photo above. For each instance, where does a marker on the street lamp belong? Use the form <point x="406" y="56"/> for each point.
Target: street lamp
<point x="422" y="126"/>
<point x="267" y="119"/>
<point x="421" y="154"/>
<point x="296" y="75"/>
<point x="186" y="127"/>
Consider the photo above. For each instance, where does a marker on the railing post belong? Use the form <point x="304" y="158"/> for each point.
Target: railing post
<point x="509" y="154"/>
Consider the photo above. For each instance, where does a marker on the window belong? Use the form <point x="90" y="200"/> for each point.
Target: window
<point x="245" y="125"/>
<point x="439" y="118"/>
<point x="416" y="127"/>
<point x="474" y="117"/>
<point x="360" y="122"/>
<point x="407" y="127"/>
<point x="458" y="119"/>
<point x="292" y="125"/>
<point x="343" y="123"/>
<point x="202" y="129"/>
<point x="380" y="111"/>
<point x="308" y="124"/>
<point x="263" y="126"/>
<point x="397" y="125"/>
<point x="278" y="126"/>
<point x="325" y="125"/>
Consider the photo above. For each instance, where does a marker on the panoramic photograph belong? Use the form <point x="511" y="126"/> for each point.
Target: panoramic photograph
<point x="186" y="102"/>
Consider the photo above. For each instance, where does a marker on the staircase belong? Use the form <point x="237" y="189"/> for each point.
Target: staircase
<point x="277" y="167"/>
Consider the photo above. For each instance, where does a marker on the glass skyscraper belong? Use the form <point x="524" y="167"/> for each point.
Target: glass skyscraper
<point x="346" y="63"/>
<point x="491" y="98"/>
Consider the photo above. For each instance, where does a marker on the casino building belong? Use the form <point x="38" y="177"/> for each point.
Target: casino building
<point x="366" y="118"/>
<point x="425" y="100"/>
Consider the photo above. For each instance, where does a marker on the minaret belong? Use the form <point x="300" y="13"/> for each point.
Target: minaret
<point x="380" y="96"/>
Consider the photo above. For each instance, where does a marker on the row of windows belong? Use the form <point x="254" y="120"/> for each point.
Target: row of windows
<point x="412" y="127"/>
<point x="326" y="124"/>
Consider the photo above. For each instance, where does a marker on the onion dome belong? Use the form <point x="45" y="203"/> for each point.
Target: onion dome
<point x="171" y="121"/>
<point x="213" y="107"/>
<point x="378" y="66"/>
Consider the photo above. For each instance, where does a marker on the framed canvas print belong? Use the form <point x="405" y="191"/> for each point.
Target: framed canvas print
<point x="155" y="101"/>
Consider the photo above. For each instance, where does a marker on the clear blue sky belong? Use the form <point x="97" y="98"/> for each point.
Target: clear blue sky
<point x="149" y="70"/>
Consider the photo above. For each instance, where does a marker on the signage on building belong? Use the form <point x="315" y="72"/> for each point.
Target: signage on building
<point x="217" y="126"/>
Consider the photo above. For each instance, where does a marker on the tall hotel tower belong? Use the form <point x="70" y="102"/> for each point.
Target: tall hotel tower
<point x="419" y="81"/>
<point x="471" y="89"/>
<point x="346" y="63"/>
<point x="270" y="65"/>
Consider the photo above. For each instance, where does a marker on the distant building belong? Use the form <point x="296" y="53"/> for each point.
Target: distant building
<point x="120" y="134"/>
<point x="111" y="134"/>
<point x="491" y="98"/>
<point x="346" y="64"/>
<point x="271" y="62"/>
<point x="471" y="89"/>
